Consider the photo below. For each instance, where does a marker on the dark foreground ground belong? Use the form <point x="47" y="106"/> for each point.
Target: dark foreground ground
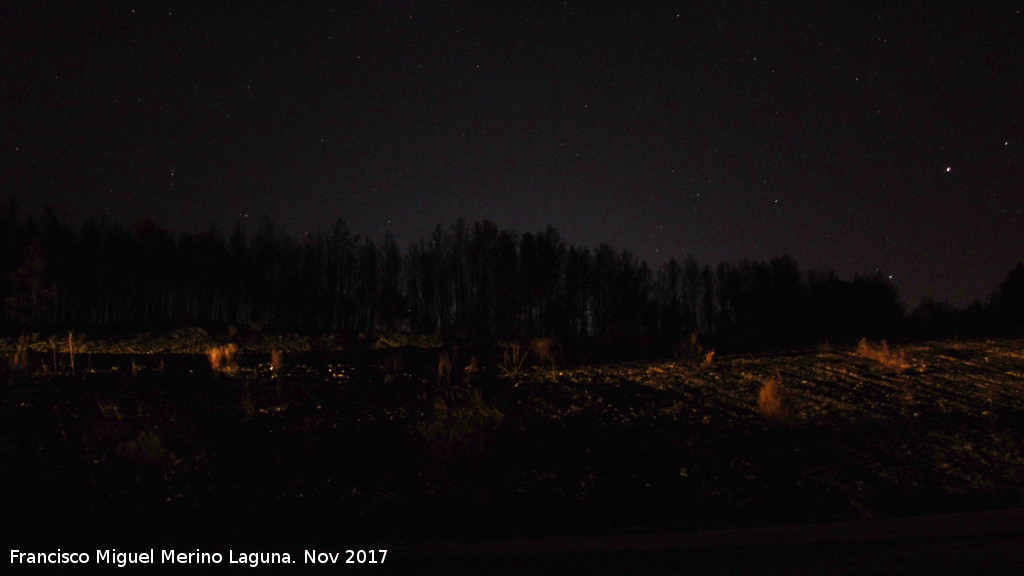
<point x="401" y="450"/>
<point x="990" y="542"/>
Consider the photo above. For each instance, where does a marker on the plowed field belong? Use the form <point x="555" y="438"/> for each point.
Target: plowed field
<point x="395" y="445"/>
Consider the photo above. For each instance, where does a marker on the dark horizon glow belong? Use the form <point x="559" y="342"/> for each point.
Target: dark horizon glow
<point x="881" y="139"/>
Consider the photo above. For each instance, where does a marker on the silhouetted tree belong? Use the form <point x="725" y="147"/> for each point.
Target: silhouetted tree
<point x="1008" y="302"/>
<point x="463" y="280"/>
<point x="33" y="293"/>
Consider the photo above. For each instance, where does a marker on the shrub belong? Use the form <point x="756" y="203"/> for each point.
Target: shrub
<point x="774" y="402"/>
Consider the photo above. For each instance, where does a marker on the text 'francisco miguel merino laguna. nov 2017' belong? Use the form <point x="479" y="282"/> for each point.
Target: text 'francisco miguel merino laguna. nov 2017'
<point x="152" y="556"/>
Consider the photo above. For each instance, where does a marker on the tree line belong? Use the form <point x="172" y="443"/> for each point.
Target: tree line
<point x="465" y="280"/>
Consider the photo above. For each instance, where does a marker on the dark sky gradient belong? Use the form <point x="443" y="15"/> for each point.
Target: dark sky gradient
<point x="854" y="136"/>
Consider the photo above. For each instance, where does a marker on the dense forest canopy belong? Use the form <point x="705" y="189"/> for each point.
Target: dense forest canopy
<point x="465" y="280"/>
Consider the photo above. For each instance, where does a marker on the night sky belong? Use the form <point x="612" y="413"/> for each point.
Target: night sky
<point x="857" y="136"/>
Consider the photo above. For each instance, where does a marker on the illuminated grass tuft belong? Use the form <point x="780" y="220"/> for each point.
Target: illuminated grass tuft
<point x="224" y="358"/>
<point x="892" y="359"/>
<point x="276" y="360"/>
<point x="774" y="402"/>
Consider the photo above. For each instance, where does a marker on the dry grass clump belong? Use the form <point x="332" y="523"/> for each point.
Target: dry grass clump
<point x="147" y="448"/>
<point x="224" y="358"/>
<point x="393" y="366"/>
<point x="691" y="351"/>
<point x="454" y="376"/>
<point x="892" y="359"/>
<point x="276" y="360"/>
<point x="544" y="349"/>
<point x="459" y="427"/>
<point x="461" y="423"/>
<point x="18" y="362"/>
<point x="445" y="366"/>
<point x="774" y="402"/>
<point x="513" y="354"/>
